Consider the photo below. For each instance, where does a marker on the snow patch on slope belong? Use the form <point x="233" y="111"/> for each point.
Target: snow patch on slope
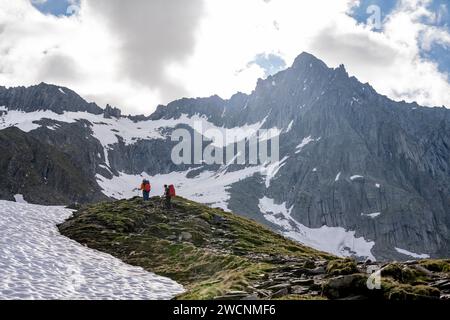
<point x="107" y="130"/>
<point x="334" y="240"/>
<point x="412" y="254"/>
<point x="19" y="198"/>
<point x="270" y="171"/>
<point x="36" y="262"/>
<point x="289" y="128"/>
<point x="371" y="215"/>
<point x="304" y="143"/>
<point x="54" y="127"/>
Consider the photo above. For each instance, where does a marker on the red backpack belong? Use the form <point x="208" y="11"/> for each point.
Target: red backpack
<point x="147" y="187"/>
<point x="172" y="192"/>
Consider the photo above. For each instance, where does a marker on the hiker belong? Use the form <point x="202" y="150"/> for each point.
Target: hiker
<point x="169" y="192"/>
<point x="146" y="188"/>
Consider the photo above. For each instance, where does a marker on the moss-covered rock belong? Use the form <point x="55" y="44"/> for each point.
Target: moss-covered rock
<point x="342" y="267"/>
<point x="436" y="265"/>
<point x="404" y="274"/>
<point x="344" y="286"/>
<point x="404" y="292"/>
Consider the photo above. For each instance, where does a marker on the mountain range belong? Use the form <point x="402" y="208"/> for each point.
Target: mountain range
<point x="359" y="174"/>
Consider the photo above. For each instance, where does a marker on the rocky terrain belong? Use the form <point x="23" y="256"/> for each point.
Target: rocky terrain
<point x="219" y="255"/>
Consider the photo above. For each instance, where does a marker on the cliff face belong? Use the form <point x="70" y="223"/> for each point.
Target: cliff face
<point x="42" y="173"/>
<point x="219" y="255"/>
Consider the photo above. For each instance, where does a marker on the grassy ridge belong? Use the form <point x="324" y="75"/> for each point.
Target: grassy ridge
<point x="219" y="255"/>
<point x="209" y="251"/>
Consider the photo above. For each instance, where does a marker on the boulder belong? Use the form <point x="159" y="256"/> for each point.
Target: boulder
<point x="344" y="286"/>
<point x="280" y="293"/>
<point x="185" y="236"/>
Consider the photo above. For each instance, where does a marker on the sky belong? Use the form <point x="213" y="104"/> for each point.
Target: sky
<point x="137" y="54"/>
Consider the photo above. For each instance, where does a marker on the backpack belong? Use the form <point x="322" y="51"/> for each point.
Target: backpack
<point x="147" y="186"/>
<point x="172" y="192"/>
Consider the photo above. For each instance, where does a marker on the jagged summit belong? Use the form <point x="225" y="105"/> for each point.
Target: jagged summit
<point x="307" y="60"/>
<point x="112" y="112"/>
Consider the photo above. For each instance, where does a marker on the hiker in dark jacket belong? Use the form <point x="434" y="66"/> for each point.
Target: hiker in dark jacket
<point x="168" y="194"/>
<point x="146" y="188"/>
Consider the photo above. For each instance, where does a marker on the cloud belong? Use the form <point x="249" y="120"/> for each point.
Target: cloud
<point x="393" y="59"/>
<point x="358" y="46"/>
<point x="108" y="47"/>
<point x="56" y="68"/>
<point x="152" y="35"/>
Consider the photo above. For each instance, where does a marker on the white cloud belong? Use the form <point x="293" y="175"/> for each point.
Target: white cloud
<point x="110" y="57"/>
<point x="109" y="52"/>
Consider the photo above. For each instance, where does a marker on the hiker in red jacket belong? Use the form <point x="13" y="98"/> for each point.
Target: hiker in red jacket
<point x="169" y="192"/>
<point x="146" y="188"/>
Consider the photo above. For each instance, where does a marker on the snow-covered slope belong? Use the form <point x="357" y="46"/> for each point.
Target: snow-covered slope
<point x="106" y="130"/>
<point x="36" y="262"/>
<point x="334" y="240"/>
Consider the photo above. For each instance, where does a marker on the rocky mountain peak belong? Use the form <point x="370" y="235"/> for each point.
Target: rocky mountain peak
<point x="307" y="60"/>
<point x="45" y="97"/>
<point x="112" y="112"/>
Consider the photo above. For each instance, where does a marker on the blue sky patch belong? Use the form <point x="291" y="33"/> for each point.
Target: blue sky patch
<point x="364" y="11"/>
<point x="56" y="7"/>
<point x="270" y="63"/>
<point x="441" y="9"/>
<point x="439" y="53"/>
